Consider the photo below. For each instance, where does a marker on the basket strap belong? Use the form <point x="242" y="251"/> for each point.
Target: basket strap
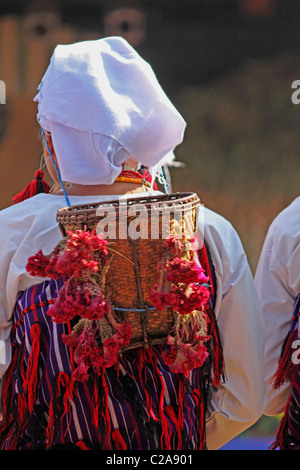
<point x="211" y="274"/>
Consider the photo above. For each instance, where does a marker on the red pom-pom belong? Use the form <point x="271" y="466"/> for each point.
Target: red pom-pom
<point x="36" y="186"/>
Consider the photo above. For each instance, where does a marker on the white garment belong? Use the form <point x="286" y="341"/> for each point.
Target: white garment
<point x="277" y="281"/>
<point x="31" y="225"/>
<point x="103" y="104"/>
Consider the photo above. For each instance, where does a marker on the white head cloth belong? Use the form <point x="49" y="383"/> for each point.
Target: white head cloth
<point x="103" y="104"/>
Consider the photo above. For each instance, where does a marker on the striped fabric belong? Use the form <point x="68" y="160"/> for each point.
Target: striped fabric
<point x="130" y="407"/>
<point x="294" y="413"/>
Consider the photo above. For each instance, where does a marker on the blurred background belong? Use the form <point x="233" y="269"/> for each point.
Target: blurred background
<point x="227" y="65"/>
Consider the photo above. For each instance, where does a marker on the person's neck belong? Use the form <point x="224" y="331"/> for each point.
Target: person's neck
<point x="75" y="189"/>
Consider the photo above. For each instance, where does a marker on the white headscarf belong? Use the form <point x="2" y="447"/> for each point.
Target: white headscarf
<point x="103" y="104"/>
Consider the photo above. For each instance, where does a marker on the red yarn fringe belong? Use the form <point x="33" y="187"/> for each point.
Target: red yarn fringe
<point x="81" y="445"/>
<point x="165" y="435"/>
<point x="142" y="354"/>
<point x="286" y="369"/>
<point x="64" y="387"/>
<point x="36" y="186"/>
<point x="217" y="354"/>
<point x="31" y="379"/>
<point x="282" y="437"/>
<point x="96" y="405"/>
<point x="21" y="423"/>
<point x="120" y="444"/>
<point x="178" y="425"/>
<point x="201" y="419"/>
<point x="63" y="390"/>
<point x="204" y="261"/>
<point x="7" y="391"/>
<point x="106" y="415"/>
<point x="218" y="358"/>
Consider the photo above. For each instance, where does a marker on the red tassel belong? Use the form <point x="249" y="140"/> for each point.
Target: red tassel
<point x="63" y="380"/>
<point x="165" y="436"/>
<point x="23" y="413"/>
<point x="22" y="422"/>
<point x="141" y="358"/>
<point x="286" y="368"/>
<point x="204" y="261"/>
<point x="218" y="359"/>
<point x="51" y="422"/>
<point x="120" y="444"/>
<point x="282" y="436"/>
<point x="96" y="404"/>
<point x="7" y="387"/>
<point x="81" y="445"/>
<point x="106" y="415"/>
<point x="172" y="416"/>
<point x="181" y="397"/>
<point x="201" y="443"/>
<point x="201" y="420"/>
<point x="31" y="378"/>
<point x="36" y="186"/>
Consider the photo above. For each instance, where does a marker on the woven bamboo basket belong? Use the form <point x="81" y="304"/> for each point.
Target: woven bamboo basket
<point x="136" y="229"/>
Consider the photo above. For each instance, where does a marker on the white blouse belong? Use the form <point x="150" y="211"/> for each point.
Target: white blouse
<point x="277" y="281"/>
<point x="31" y="225"/>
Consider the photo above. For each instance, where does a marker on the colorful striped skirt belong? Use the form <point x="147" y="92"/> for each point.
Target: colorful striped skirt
<point x="137" y="405"/>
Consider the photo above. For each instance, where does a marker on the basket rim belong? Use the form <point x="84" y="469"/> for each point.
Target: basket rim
<point x="147" y="201"/>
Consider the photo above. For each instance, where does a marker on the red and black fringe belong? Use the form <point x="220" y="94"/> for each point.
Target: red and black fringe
<point x="159" y="420"/>
<point x="163" y="424"/>
<point x="216" y="350"/>
<point x="15" y="409"/>
<point x="31" y="378"/>
<point x="63" y="389"/>
<point x="283" y="439"/>
<point x="286" y="369"/>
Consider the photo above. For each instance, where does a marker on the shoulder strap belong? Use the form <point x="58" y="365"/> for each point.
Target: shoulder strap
<point x="207" y="263"/>
<point x="217" y="351"/>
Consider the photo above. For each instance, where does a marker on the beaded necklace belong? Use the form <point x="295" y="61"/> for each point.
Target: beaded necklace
<point x="133" y="176"/>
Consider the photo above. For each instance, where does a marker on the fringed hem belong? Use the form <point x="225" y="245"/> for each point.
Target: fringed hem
<point x="163" y="423"/>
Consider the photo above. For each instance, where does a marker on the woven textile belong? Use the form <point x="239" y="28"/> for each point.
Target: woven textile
<point x="138" y="405"/>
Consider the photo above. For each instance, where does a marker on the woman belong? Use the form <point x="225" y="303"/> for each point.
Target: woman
<point x="103" y="116"/>
<point x="278" y="286"/>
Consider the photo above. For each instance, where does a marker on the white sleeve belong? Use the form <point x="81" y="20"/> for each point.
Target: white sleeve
<point x="13" y="229"/>
<point x="5" y="321"/>
<point x="239" y="402"/>
<point x="23" y="227"/>
<point x="277" y="281"/>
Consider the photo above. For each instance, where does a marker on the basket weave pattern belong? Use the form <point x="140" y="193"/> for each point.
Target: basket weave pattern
<point x="134" y="263"/>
